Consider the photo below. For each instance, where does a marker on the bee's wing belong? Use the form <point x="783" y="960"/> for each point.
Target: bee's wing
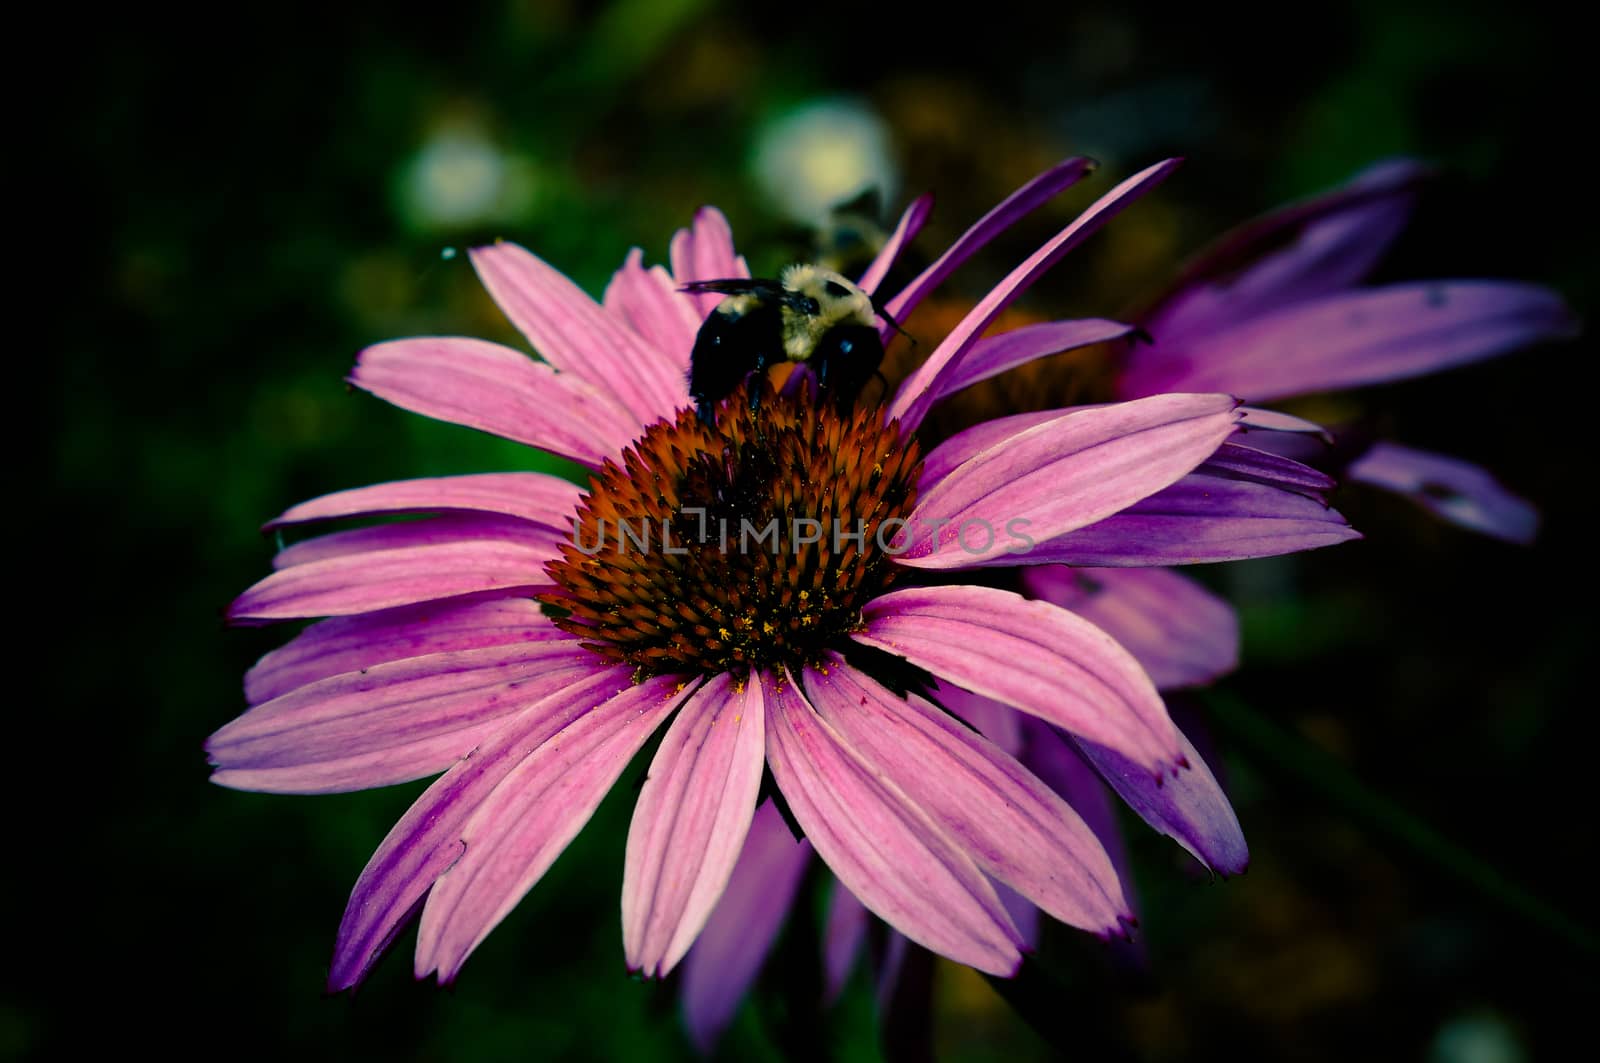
<point x="735" y="286"/>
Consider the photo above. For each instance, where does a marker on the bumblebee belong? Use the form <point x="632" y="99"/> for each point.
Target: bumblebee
<point x="810" y="315"/>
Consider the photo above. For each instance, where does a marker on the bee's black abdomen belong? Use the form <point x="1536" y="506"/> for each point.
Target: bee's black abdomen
<point x="846" y="358"/>
<point x="739" y="338"/>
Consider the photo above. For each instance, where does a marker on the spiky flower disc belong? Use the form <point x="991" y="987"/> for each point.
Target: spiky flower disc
<point x="754" y="542"/>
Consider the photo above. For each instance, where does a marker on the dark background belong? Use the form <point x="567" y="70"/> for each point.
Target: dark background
<point x="230" y="225"/>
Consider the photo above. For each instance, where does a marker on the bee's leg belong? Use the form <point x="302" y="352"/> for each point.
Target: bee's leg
<point x="757" y="381"/>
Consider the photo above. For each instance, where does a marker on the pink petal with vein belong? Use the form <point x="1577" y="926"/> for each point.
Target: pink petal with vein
<point x="574" y="333"/>
<point x="390" y="723"/>
<point x="1012" y="825"/>
<point x="428" y="839"/>
<point x="362" y="583"/>
<point x="1180" y="632"/>
<point x="434" y="531"/>
<point x="1061" y="475"/>
<point x="528" y="820"/>
<point x="532" y="496"/>
<point x="920" y="390"/>
<point x="882" y="845"/>
<point x="1199" y="520"/>
<point x="651" y="304"/>
<point x="497" y="390"/>
<point x="351" y="643"/>
<point x="731" y="949"/>
<point x="1353" y="338"/>
<point x="690" y="822"/>
<point x="1030" y="655"/>
<point x="704" y="252"/>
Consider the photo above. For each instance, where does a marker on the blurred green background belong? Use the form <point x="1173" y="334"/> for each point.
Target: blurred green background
<point x="249" y="197"/>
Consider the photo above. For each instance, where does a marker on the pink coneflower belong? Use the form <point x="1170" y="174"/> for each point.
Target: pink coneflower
<point x="506" y="643"/>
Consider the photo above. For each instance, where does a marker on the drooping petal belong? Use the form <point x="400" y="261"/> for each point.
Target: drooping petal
<point x="1302" y="251"/>
<point x="519" y="828"/>
<point x="1023" y="201"/>
<point x="352" y="643"/>
<point x="1456" y="490"/>
<point x="434" y="531"/>
<point x="1353" y="338"/>
<point x="389" y="723"/>
<point x="690" y="821"/>
<point x="846" y="929"/>
<point x="906" y="230"/>
<point x="1189" y="808"/>
<point x="1180" y="632"/>
<point x="918" y="392"/>
<point x="1012" y="825"/>
<point x="497" y="390"/>
<point x="1030" y="655"/>
<point x="428" y="838"/>
<point x="1199" y="520"/>
<point x="993" y="355"/>
<point x="532" y="496"/>
<point x="654" y="308"/>
<point x="1060" y="475"/>
<point x="363" y="583"/>
<point x="573" y="333"/>
<point x="731" y="949"/>
<point x="882" y="845"/>
<point x="704" y="252"/>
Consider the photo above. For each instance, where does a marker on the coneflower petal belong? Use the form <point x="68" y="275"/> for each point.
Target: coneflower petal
<point x="1033" y="656"/>
<point x="1060" y="475"/>
<point x="516" y="832"/>
<point x="1456" y="490"/>
<point x="532" y="496"/>
<point x="390" y="723"/>
<point x="427" y="840"/>
<point x="740" y="933"/>
<point x="691" y="820"/>
<point x="919" y="391"/>
<point x="572" y="332"/>
<point x="497" y="390"/>
<point x="1023" y="201"/>
<point x="906" y="229"/>
<point x="649" y="301"/>
<point x="383" y="579"/>
<point x="1191" y="808"/>
<point x="1013" y="826"/>
<point x="1180" y="632"/>
<point x="351" y="643"/>
<point x="1353" y="338"/>
<point x="883" y="846"/>
<point x="1199" y="520"/>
